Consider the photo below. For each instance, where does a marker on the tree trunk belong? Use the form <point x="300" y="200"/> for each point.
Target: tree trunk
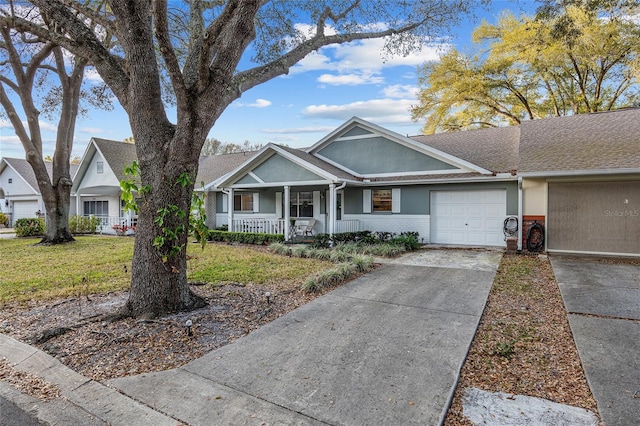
<point x="159" y="271"/>
<point x="57" y="218"/>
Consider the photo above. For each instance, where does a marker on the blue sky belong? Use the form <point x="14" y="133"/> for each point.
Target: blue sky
<point x="319" y="94"/>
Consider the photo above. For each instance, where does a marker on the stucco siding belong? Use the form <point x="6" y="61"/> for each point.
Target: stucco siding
<point x="534" y="197"/>
<point x="279" y="169"/>
<point x="17" y="186"/>
<point x="93" y="179"/>
<point x="378" y="155"/>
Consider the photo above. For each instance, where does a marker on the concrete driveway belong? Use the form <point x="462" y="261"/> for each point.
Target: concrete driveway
<point x="384" y="349"/>
<point x="602" y="297"/>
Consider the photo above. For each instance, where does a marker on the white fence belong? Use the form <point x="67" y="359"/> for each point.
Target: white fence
<point x="259" y="225"/>
<point x="352" y="225"/>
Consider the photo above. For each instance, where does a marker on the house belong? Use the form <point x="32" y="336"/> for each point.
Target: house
<point x="96" y="184"/>
<point x="451" y="189"/>
<point x="577" y="177"/>
<point x="20" y="195"/>
<point x="580" y="178"/>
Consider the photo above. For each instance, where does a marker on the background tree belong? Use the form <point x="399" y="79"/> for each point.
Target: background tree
<point x="27" y="63"/>
<point x="214" y="146"/>
<point x="572" y="62"/>
<point x="200" y="61"/>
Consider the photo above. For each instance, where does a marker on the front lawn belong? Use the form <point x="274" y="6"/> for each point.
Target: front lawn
<point x="97" y="264"/>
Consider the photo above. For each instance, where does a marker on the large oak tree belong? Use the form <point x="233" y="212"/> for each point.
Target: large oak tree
<point x="197" y="47"/>
<point x="575" y="60"/>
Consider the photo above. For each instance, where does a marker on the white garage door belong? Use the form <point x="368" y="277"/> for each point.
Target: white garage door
<point x="468" y="217"/>
<point x="22" y="209"/>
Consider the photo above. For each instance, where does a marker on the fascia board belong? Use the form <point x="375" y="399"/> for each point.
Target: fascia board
<point x="572" y="173"/>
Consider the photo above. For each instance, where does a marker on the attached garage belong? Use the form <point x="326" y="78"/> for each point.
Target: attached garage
<point x="471" y="217"/>
<point x="594" y="217"/>
<point x="24" y="209"/>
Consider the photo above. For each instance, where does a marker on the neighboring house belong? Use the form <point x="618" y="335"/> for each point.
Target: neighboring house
<point x="364" y="177"/>
<point x="581" y="178"/>
<point x="19" y="193"/>
<point x="97" y="182"/>
<point x="96" y="185"/>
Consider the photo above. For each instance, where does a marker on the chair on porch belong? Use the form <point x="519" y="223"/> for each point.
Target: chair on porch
<point x="308" y="229"/>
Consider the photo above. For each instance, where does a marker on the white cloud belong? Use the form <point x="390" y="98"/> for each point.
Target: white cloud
<point x="350" y="79"/>
<point x="92" y="76"/>
<point x="381" y="111"/>
<point x="6" y="124"/>
<point x="92" y="130"/>
<point x="365" y="55"/>
<point x="401" y="91"/>
<point x="259" y="103"/>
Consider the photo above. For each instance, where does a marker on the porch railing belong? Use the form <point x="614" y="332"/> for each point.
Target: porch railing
<point x="259" y="225"/>
<point x="350" y="225"/>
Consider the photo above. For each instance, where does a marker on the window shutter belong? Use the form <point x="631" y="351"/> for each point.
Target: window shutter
<point x="225" y="203"/>
<point x="279" y="205"/>
<point x="256" y="202"/>
<point x="366" y="201"/>
<point x="395" y="200"/>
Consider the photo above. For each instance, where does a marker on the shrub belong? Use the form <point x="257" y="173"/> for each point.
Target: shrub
<point x="280" y="248"/>
<point x="3" y="219"/>
<point x="83" y="224"/>
<point x="245" y="237"/>
<point x="29" y="227"/>
<point x="299" y="251"/>
<point x="321" y="241"/>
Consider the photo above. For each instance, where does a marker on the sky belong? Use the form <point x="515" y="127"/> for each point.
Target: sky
<point x="319" y="94"/>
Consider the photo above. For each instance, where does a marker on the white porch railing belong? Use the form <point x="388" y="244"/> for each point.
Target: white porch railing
<point x="351" y="225"/>
<point x="258" y="225"/>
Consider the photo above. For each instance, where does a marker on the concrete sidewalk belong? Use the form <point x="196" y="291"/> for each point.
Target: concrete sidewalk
<point x="384" y="349"/>
<point x="603" y="302"/>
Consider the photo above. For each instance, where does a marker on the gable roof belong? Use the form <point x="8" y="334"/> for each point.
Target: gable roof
<point x="602" y="142"/>
<point x="117" y="154"/>
<point x="372" y="130"/>
<point x="212" y="167"/>
<point x="24" y="169"/>
<point x="494" y="149"/>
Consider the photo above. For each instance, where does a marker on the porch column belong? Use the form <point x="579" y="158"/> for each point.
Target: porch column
<point x="230" y="209"/>
<point x="287" y="213"/>
<point x="332" y="208"/>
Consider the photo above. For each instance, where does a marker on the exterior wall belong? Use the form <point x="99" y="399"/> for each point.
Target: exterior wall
<point x="377" y="155"/>
<point x="534" y="197"/>
<point x="210" y="203"/>
<point x="415" y="199"/>
<point x="279" y="169"/>
<point x="17" y="186"/>
<point x="93" y="179"/>
<point x="393" y="223"/>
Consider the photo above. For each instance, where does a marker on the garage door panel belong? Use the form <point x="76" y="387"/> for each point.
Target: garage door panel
<point x="24" y="209"/>
<point x="599" y="217"/>
<point x="468" y="217"/>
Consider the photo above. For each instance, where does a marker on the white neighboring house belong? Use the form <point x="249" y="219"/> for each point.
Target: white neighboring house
<point x="19" y="193"/>
<point x="96" y="185"/>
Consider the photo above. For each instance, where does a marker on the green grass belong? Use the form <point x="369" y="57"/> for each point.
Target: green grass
<point x="95" y="264"/>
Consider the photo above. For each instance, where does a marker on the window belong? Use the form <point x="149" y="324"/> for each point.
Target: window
<point x="381" y="200"/>
<point x="100" y="167"/>
<point x="301" y="204"/>
<point x="243" y="202"/>
<point x="10" y="180"/>
<point x="96" y="208"/>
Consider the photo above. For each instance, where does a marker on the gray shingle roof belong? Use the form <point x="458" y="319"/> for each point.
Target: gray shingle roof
<point x="329" y="168"/>
<point x="117" y="154"/>
<point x="599" y="141"/>
<point x="23" y="168"/>
<point x="492" y="149"/>
<point x="213" y="167"/>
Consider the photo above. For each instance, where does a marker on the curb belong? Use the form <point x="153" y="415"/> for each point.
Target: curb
<point x="84" y="401"/>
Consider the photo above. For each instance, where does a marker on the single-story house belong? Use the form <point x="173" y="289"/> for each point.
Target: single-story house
<point x="364" y="177"/>
<point x="96" y="184"/>
<point x="578" y="177"/>
<point x="20" y="195"/>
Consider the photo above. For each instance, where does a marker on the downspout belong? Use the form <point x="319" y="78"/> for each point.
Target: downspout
<point x="520" y="224"/>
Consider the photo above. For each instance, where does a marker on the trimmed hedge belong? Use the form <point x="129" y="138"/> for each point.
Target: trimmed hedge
<point x="245" y="237"/>
<point x="408" y="239"/>
<point x="83" y="224"/>
<point x="29" y="227"/>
